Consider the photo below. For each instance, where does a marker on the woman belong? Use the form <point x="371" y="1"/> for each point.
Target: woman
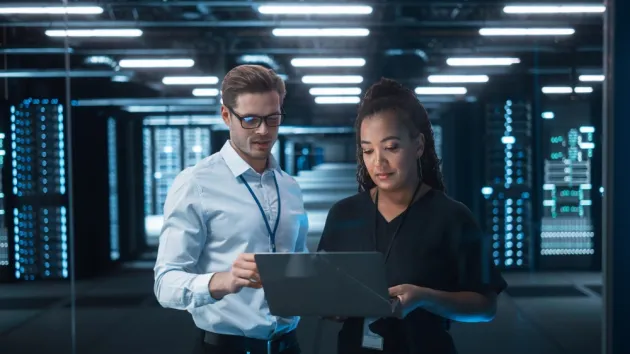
<point x="438" y="262"/>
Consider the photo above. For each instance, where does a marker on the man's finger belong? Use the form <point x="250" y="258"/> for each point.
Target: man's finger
<point x="245" y="274"/>
<point x="246" y="265"/>
<point x="248" y="257"/>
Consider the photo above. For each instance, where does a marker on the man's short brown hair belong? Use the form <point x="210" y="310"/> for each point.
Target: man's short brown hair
<point x="250" y="79"/>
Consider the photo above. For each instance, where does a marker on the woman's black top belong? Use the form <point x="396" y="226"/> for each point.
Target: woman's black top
<point x="439" y="246"/>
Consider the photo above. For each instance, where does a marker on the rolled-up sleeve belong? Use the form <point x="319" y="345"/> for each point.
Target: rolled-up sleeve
<point x="178" y="284"/>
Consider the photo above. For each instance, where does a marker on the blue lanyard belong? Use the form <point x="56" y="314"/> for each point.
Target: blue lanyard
<point x="272" y="233"/>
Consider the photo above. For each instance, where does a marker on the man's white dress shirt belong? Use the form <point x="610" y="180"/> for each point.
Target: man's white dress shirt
<point x="210" y="218"/>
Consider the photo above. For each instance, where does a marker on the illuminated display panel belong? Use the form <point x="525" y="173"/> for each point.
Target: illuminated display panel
<point x="113" y="189"/>
<point x="147" y="148"/>
<point x="567" y="230"/>
<point x="38" y="165"/>
<point x="196" y="145"/>
<point x="437" y="136"/>
<point x="4" y="233"/>
<point x="508" y="188"/>
<point x="167" y="151"/>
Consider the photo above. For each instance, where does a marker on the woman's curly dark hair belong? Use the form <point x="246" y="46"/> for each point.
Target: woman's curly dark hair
<point x="389" y="95"/>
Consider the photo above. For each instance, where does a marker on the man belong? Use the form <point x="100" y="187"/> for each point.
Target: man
<point x="219" y="213"/>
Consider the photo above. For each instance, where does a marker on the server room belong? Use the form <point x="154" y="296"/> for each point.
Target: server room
<point x="106" y="103"/>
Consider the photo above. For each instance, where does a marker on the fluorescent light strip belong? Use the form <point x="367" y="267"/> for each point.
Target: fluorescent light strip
<point x="327" y="62"/>
<point x="205" y="92"/>
<point x="554" y="9"/>
<point x="337" y="100"/>
<point x="332" y="79"/>
<point x="592" y="78"/>
<point x="526" y="31"/>
<point x="441" y="90"/>
<point x="320" y="32"/>
<point x="51" y="10"/>
<point x="95" y="33"/>
<point x="289" y="9"/>
<point x="451" y="79"/>
<point x="335" y="91"/>
<point x="156" y="63"/>
<point x="190" y="80"/>
<point x="550" y="90"/>
<point x="482" y="61"/>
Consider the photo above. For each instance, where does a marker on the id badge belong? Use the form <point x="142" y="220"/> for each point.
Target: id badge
<point x="371" y="340"/>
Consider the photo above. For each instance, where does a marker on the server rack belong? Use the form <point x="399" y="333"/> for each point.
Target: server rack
<point x="39" y="212"/>
<point x="567" y="238"/>
<point x="509" y="183"/>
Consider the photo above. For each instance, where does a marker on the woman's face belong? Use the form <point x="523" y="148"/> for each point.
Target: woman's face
<point x="389" y="152"/>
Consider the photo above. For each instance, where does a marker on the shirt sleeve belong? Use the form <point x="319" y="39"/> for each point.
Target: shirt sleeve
<point x="302" y="239"/>
<point x="475" y="264"/>
<point x="328" y="235"/>
<point x="183" y="237"/>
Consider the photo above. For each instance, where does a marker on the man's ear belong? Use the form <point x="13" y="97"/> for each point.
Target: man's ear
<point x="420" y="145"/>
<point x="225" y="115"/>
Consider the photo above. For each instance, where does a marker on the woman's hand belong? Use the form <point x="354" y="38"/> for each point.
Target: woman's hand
<point x="410" y="297"/>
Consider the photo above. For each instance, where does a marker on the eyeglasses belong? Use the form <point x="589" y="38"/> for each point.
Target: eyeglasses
<point x="251" y="121"/>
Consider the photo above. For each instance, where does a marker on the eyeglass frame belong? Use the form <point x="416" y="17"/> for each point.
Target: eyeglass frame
<point x="241" y="118"/>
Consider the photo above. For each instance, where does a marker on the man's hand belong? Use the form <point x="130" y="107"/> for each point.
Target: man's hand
<point x="244" y="274"/>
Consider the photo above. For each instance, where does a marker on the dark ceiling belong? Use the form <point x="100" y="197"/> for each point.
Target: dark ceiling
<point x="408" y="40"/>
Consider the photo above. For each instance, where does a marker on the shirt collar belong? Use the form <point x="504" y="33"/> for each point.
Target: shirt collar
<point x="237" y="165"/>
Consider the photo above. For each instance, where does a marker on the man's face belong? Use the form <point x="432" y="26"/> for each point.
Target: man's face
<point x="252" y="141"/>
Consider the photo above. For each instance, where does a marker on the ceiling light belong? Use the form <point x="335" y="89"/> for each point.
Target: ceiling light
<point x="190" y="80"/>
<point x="337" y="100"/>
<point x="482" y="61"/>
<point x="289" y="9"/>
<point x="441" y="90"/>
<point x="592" y="78"/>
<point x="95" y="33"/>
<point x="332" y="79"/>
<point x="205" y="92"/>
<point x="554" y="9"/>
<point x="328" y="62"/>
<point x="583" y="89"/>
<point x="320" y="32"/>
<point x="52" y="10"/>
<point x="450" y="79"/>
<point x="334" y="91"/>
<point x="566" y="90"/>
<point x="156" y="63"/>
<point x="526" y="31"/>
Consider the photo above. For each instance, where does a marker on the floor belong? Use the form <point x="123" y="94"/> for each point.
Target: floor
<point x="555" y="313"/>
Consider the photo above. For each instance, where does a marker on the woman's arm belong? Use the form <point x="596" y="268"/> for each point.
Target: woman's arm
<point x="461" y="306"/>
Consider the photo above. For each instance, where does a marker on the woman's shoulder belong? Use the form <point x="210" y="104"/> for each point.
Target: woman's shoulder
<point x="351" y="205"/>
<point x="442" y="205"/>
